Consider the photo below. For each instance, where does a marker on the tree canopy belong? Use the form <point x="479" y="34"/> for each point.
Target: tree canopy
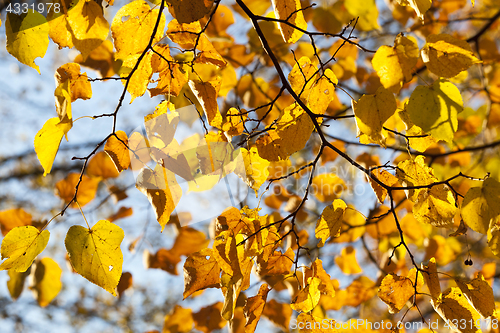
<point x="311" y="166"/>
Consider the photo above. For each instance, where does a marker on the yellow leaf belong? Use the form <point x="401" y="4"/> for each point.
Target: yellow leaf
<point x="353" y="228"/>
<point x="11" y="218"/>
<point x="133" y="26"/>
<point x="293" y="130"/>
<point x="431" y="278"/>
<point x="188" y="241"/>
<point x="184" y="34"/>
<point x="359" y="291"/>
<point x="447" y="56"/>
<point x="102" y="59"/>
<point x="208" y="54"/>
<point x="59" y="29"/>
<point x="494" y="239"/>
<point x="256" y="172"/>
<point x="480" y="207"/>
<point x="419" y="6"/>
<point x="123" y="212"/>
<point x="253" y="308"/>
<point x="16" y="283"/>
<point x="65" y="189"/>
<point x="180" y="320"/>
<point x="308" y="323"/>
<point x="201" y="271"/>
<point x="88" y="25"/>
<point x="278" y="313"/>
<point x="116" y="148"/>
<point x="414" y="172"/>
<point x="418" y="143"/>
<point x="394" y="64"/>
<point x="21" y="245"/>
<point x="453" y="307"/>
<point x="209" y="319"/>
<point x="308" y="297"/>
<point x="371" y="112"/>
<point x="290" y="10"/>
<point x="187" y="11"/>
<point x="347" y="261"/>
<point x="277" y="264"/>
<point x="206" y="93"/>
<point x="226" y="254"/>
<point x="323" y="92"/>
<point x="325" y="287"/>
<point x="102" y="166"/>
<point x="235" y="120"/>
<point x="386" y="178"/>
<point x="79" y="85"/>
<point x="396" y="290"/>
<point x="162" y="190"/>
<point x="47" y="142"/>
<point x="302" y="76"/>
<point x="139" y="81"/>
<point x="47" y="281"/>
<point x="359" y="8"/>
<point x="95" y="253"/>
<point x="435" y="206"/>
<point x="173" y="76"/>
<point x="330" y="221"/>
<point x="327" y="187"/>
<point x="27" y="37"/>
<point x="479" y="294"/>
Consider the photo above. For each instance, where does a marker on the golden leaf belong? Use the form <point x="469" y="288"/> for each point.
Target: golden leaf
<point x="47" y="281"/>
<point x="308" y="297"/>
<point x="116" y="148"/>
<point x="396" y="290"/>
<point x="453" y="307"/>
<point x="290" y="10"/>
<point x="47" y="142"/>
<point x="435" y="109"/>
<point x="447" y="56"/>
<point x="347" y="261"/>
<point x="162" y="190"/>
<point x="254" y="307"/>
<point x="394" y="64"/>
<point x="95" y="253"/>
<point x="27" y="37"/>
<point x="330" y="221"/>
<point x="479" y="294"/>
<point x="206" y="93"/>
<point x="431" y="278"/>
<point x="480" y="206"/>
<point x="187" y="11"/>
<point x="88" y="26"/>
<point x="11" y="218"/>
<point x="201" y="271"/>
<point x="133" y="26"/>
<point x="371" y="112"/>
<point x="21" y="245"/>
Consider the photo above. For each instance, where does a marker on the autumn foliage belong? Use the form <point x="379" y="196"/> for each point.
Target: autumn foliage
<point x="365" y="135"/>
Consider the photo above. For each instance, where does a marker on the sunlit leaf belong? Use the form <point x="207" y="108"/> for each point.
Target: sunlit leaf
<point x="435" y="109"/>
<point x="95" y="253"/>
<point x="27" y="37"/>
<point x="330" y="221"/>
<point x="21" y="246"/>
<point x="289" y="10"/>
<point x="371" y="112"/>
<point x="47" y="281"/>
<point x="447" y="56"/>
<point x="480" y="206"/>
